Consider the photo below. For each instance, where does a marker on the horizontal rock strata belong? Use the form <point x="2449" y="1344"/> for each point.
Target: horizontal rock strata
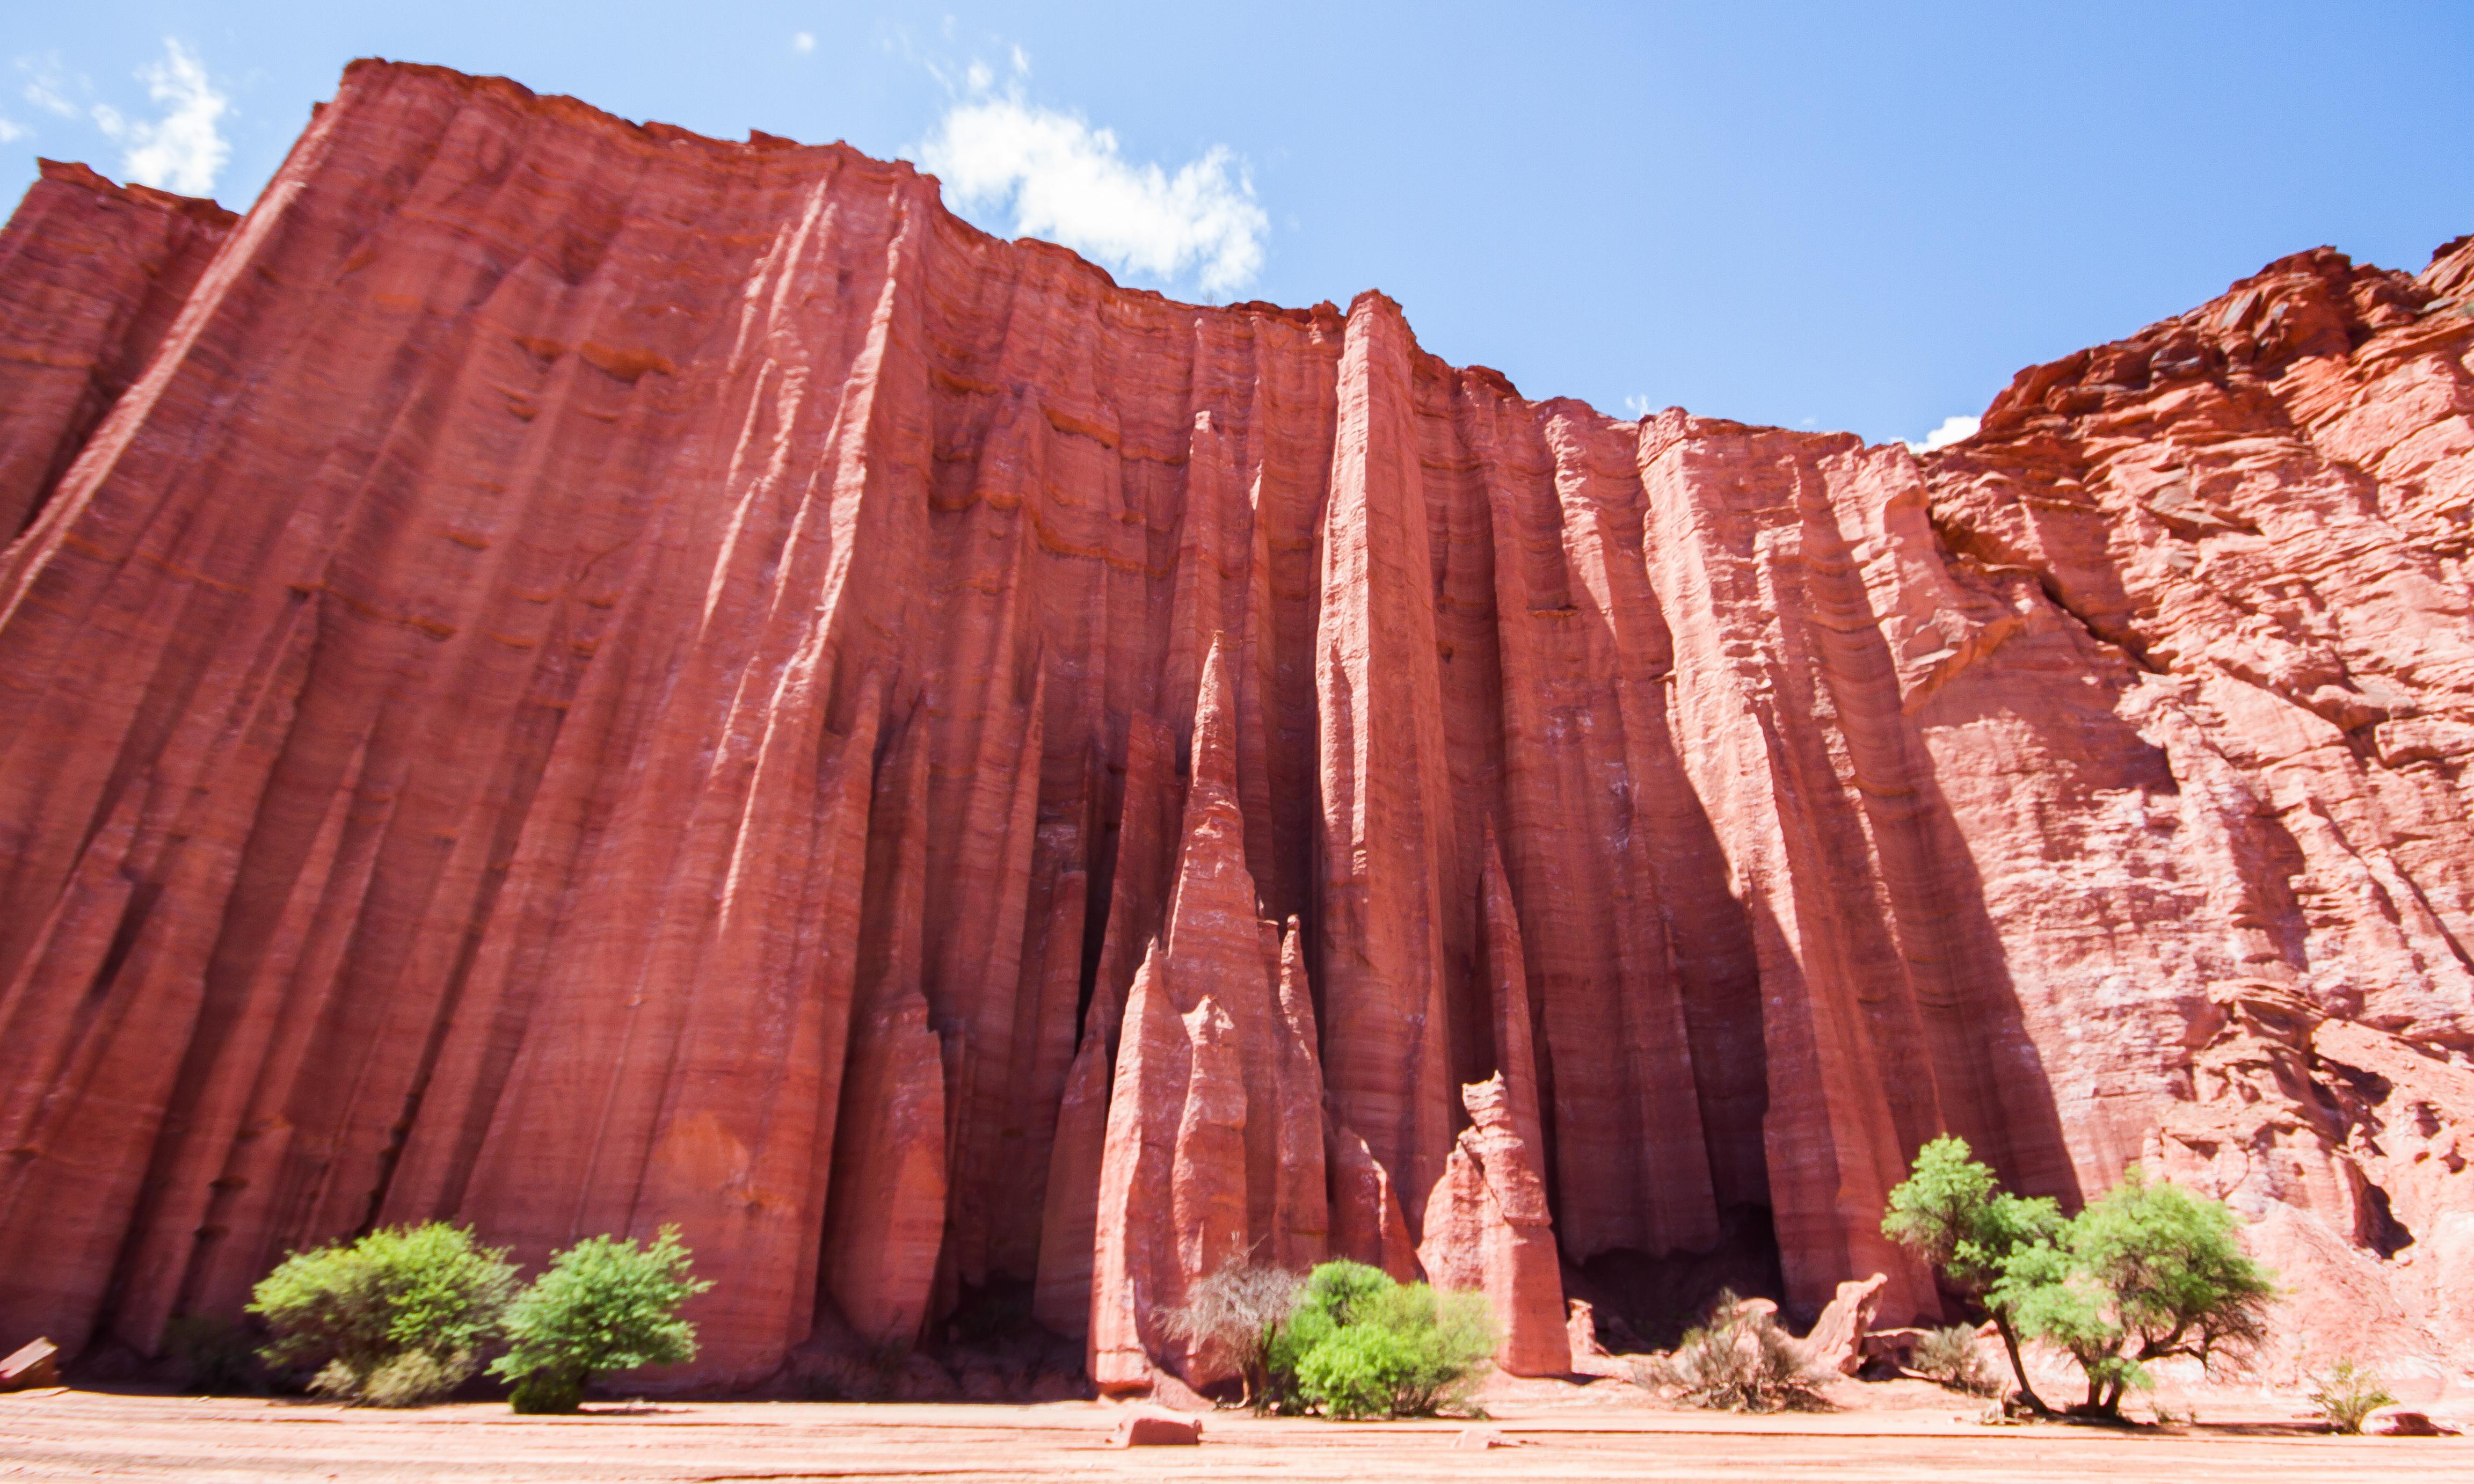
<point x="570" y="676"/>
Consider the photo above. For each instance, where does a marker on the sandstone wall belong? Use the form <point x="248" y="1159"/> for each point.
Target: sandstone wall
<point x="575" y="676"/>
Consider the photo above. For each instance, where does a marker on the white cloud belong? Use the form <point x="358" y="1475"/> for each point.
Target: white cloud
<point x="804" y="41"/>
<point x="1067" y="181"/>
<point x="11" y="131"/>
<point x="1021" y="60"/>
<point x="979" y="77"/>
<point x="48" y="84"/>
<point x="1638" y="406"/>
<point x="183" y="149"/>
<point x="1950" y="431"/>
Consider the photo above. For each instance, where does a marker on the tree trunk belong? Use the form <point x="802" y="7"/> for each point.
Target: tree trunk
<point x="2019" y="1367"/>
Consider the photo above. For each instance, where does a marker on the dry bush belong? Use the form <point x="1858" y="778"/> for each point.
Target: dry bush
<point x="416" y="1379"/>
<point x="2348" y="1394"/>
<point x="1952" y="1357"/>
<point x="1238" y="1311"/>
<point x="1738" y="1361"/>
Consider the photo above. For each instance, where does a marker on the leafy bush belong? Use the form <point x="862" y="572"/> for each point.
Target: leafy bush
<point x="1952" y="1357"/>
<point x="352" y="1309"/>
<point x="1334" y="1291"/>
<point x="603" y="1305"/>
<point x="1238" y="1311"/>
<point x="2149" y="1270"/>
<point x="1360" y="1345"/>
<point x="1739" y="1360"/>
<point x="2348" y="1394"/>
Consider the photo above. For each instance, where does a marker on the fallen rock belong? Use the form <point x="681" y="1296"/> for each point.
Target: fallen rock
<point x="31" y="1364"/>
<point x="1480" y="1439"/>
<point x="1150" y="1426"/>
<point x="1836" y="1342"/>
<point x="2402" y="1421"/>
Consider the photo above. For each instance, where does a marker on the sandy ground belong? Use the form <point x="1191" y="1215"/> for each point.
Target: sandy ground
<point x="92" y="1435"/>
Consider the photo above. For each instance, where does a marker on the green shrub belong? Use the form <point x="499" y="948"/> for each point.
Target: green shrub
<point x="1332" y="1292"/>
<point x="603" y="1305"/>
<point x="2347" y="1395"/>
<point x="1738" y="1360"/>
<point x="1951" y="1356"/>
<point x="356" y="1308"/>
<point x="1360" y="1346"/>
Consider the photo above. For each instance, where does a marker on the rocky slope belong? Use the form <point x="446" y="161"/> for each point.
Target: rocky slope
<point x="570" y="676"/>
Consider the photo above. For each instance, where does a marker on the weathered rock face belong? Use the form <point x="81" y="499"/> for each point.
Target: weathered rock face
<point x="91" y="276"/>
<point x="572" y="676"/>
<point x="1488" y="1231"/>
<point x="1213" y="1155"/>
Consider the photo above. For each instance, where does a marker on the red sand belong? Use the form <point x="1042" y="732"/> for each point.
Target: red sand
<point x="89" y="1435"/>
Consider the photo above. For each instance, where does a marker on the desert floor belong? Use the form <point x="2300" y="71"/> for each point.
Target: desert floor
<point x="93" y="1435"/>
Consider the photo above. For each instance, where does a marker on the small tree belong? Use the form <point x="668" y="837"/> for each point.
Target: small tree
<point x="1239" y="1311"/>
<point x="2348" y="1394"/>
<point x="2147" y="1271"/>
<point x="1360" y="1344"/>
<point x="603" y="1305"/>
<point x="1954" y="1213"/>
<point x="411" y="1305"/>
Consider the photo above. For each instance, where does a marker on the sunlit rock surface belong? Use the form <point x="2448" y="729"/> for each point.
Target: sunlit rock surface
<point x="572" y="676"/>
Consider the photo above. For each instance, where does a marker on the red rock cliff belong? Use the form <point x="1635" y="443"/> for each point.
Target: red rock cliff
<point x="572" y="676"/>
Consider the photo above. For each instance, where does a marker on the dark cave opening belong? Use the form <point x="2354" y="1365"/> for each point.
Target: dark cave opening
<point x="1644" y="1304"/>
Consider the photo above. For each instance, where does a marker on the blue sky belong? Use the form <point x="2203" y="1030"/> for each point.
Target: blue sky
<point x="1834" y="216"/>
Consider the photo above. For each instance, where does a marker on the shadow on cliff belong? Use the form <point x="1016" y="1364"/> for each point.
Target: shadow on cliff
<point x="2017" y="1124"/>
<point x="1961" y="999"/>
<point x="988" y="1349"/>
<point x="1644" y="1304"/>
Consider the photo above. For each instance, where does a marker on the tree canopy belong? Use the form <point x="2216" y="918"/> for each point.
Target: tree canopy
<point x="2146" y="1270"/>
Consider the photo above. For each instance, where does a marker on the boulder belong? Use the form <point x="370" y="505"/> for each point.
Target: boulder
<point x="35" y="1363"/>
<point x="2404" y="1422"/>
<point x="1151" y="1426"/>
